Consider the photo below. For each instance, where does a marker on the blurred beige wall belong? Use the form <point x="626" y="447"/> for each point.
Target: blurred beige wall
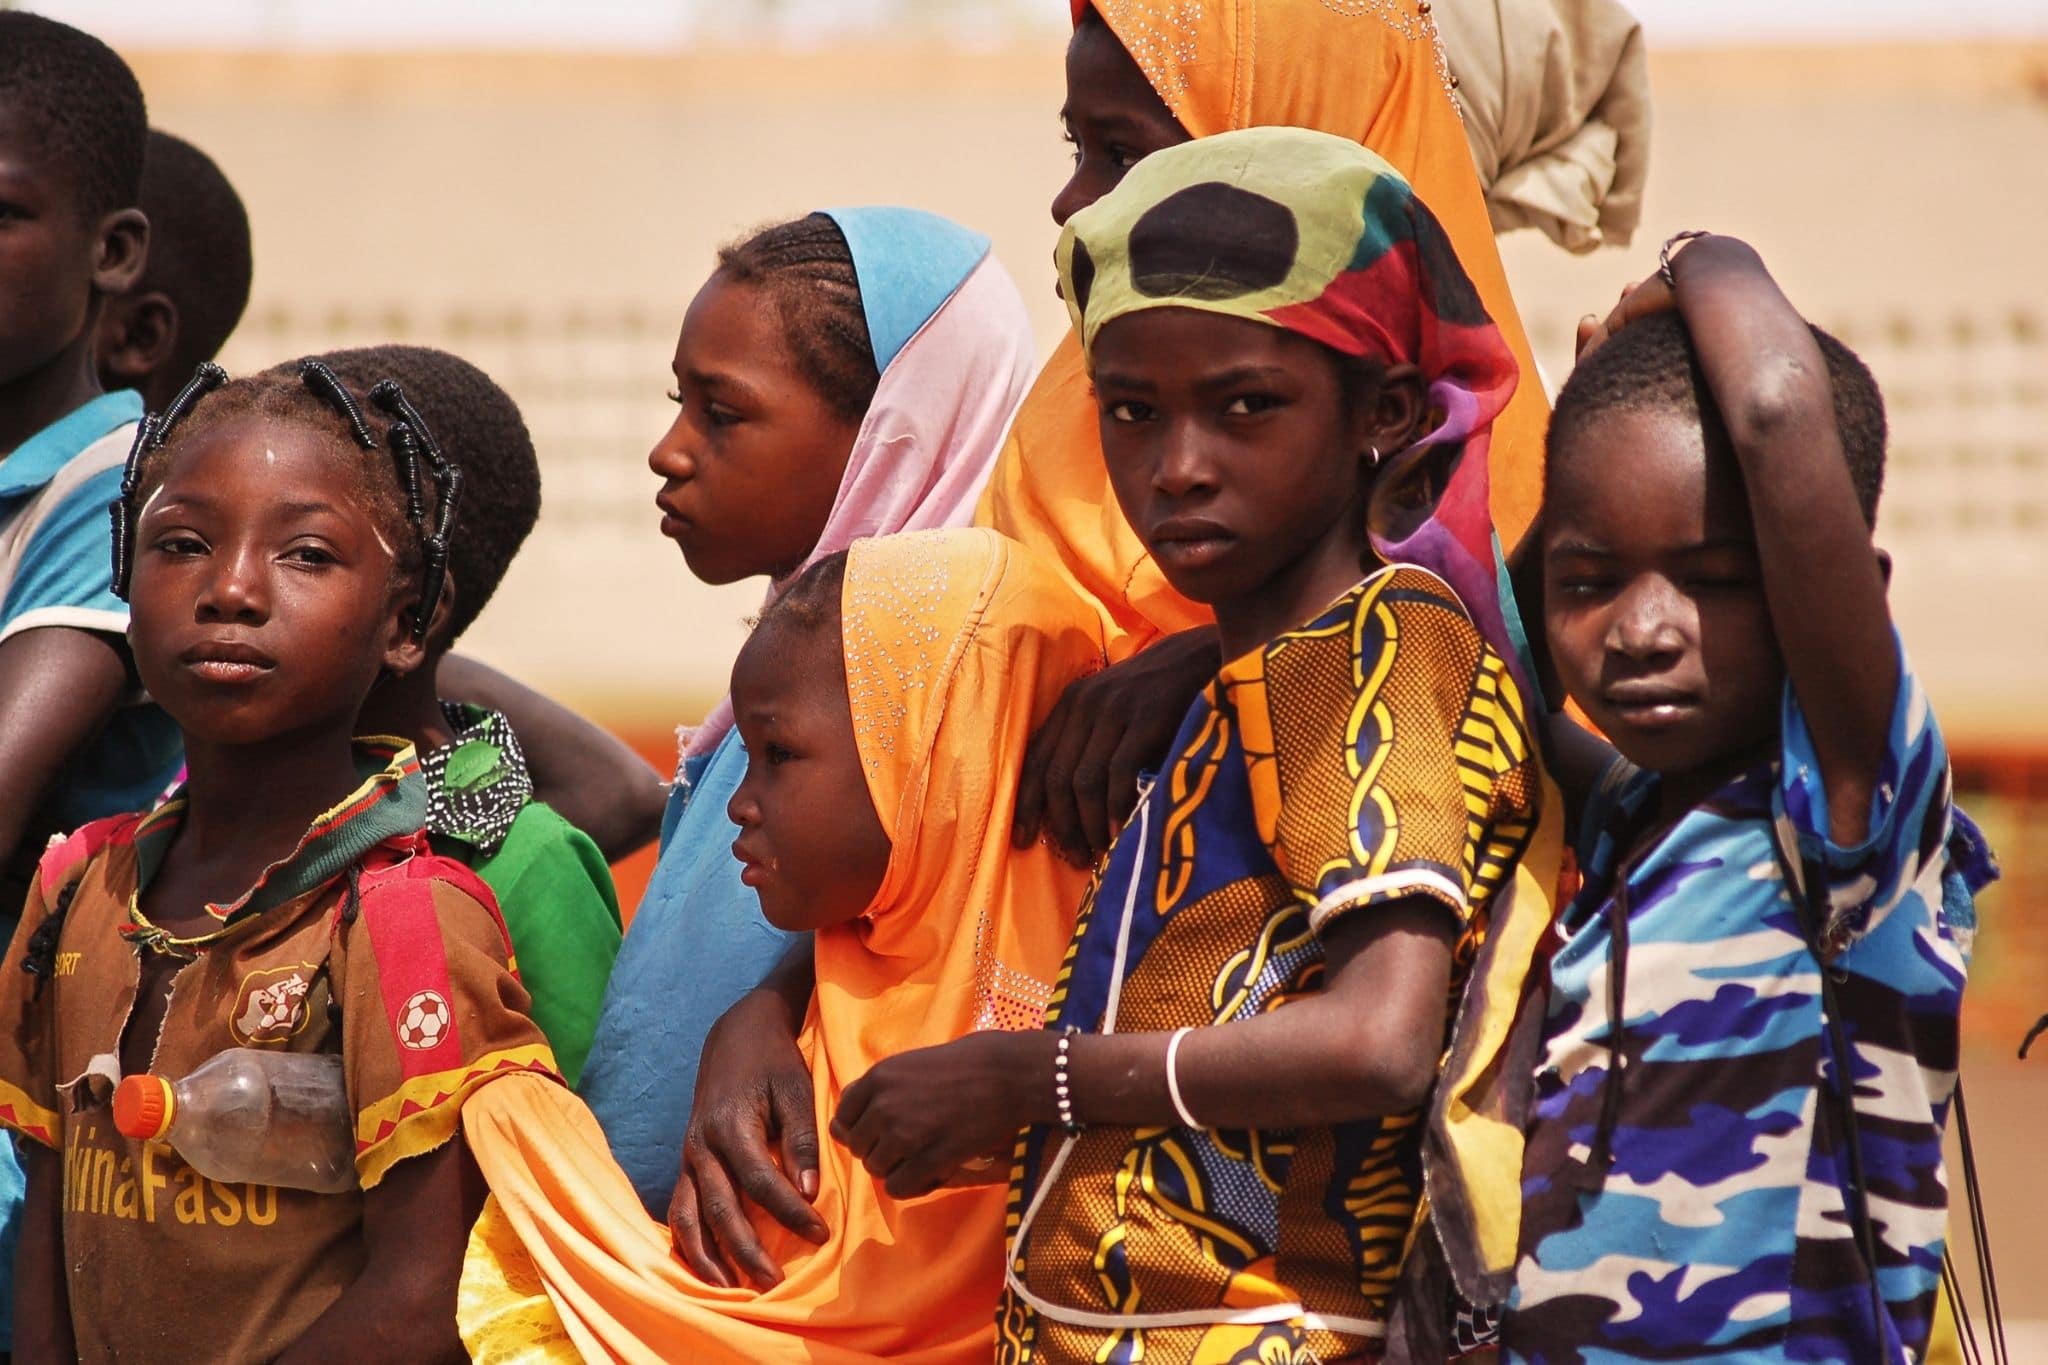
<point x="550" y="218"/>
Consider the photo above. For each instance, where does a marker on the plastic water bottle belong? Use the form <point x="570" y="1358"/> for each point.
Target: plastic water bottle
<point x="267" y="1118"/>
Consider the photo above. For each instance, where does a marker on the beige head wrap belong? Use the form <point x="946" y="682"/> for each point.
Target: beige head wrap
<point x="1556" y="95"/>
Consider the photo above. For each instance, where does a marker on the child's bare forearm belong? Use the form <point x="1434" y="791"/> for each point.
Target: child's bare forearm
<point x="42" y="1301"/>
<point x="58" y="686"/>
<point x="1577" y="759"/>
<point x="1821" y="574"/>
<point x="1364" y="1046"/>
<point x="401" y="1306"/>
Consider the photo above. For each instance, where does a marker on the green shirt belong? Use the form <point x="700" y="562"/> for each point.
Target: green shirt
<point x="553" y="886"/>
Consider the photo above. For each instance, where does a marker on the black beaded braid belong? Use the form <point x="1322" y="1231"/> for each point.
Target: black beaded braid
<point x="408" y="438"/>
<point x="477" y="426"/>
<point x="412" y="438"/>
<point x="149" y="436"/>
<point x="323" y="381"/>
<point x="806" y="267"/>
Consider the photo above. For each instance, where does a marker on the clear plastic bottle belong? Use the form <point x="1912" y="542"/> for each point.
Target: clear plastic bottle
<point x="248" y="1114"/>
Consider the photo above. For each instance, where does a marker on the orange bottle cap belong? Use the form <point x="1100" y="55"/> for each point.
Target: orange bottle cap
<point x="144" y="1107"/>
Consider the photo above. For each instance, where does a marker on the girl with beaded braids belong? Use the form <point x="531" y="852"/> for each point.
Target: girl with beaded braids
<point x="282" y="542"/>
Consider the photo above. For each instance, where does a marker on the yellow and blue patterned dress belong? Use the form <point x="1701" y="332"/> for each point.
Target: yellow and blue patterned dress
<point x="1377" y="753"/>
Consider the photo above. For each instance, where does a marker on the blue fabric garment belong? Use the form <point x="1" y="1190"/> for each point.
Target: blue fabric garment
<point x="696" y="946"/>
<point x="13" y="1186"/>
<point x="56" y="569"/>
<point x="698" y="942"/>
<point x="908" y="263"/>
<point x="1717" y="1231"/>
<point x="36" y="461"/>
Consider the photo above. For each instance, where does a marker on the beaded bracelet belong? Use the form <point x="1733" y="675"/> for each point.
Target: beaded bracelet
<point x="1062" y="1088"/>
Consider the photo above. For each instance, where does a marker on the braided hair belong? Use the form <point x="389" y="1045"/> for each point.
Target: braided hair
<point x="486" y="436"/>
<point x="412" y="495"/>
<point x="806" y="268"/>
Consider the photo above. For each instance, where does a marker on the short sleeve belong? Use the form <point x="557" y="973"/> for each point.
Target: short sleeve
<point x="65" y="575"/>
<point x="431" y="1009"/>
<point x="1910" y="811"/>
<point x="1390" y="753"/>
<point x="28" y="1005"/>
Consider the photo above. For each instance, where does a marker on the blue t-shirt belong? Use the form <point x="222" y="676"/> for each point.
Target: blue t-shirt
<point x="56" y="569"/>
<point x="1722" y="1228"/>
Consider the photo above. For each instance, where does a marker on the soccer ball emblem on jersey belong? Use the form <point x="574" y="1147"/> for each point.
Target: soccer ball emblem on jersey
<point x="424" y="1021"/>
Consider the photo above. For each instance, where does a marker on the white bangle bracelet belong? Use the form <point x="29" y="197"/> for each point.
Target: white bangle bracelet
<point x="1180" y="1106"/>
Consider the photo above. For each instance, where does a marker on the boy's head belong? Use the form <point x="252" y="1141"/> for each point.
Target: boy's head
<point x="812" y="846"/>
<point x="72" y="132"/>
<point x="196" y="285"/>
<point x="276" y="539"/>
<point x="483" y="435"/>
<point x="1653" y="597"/>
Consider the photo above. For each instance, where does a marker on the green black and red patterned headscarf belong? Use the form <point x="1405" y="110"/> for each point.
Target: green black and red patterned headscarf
<point x="1315" y="234"/>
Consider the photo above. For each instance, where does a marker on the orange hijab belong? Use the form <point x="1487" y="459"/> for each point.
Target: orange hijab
<point x="1368" y="70"/>
<point x="957" y="645"/>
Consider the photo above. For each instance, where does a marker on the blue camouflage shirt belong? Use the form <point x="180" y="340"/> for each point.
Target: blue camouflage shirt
<point x="1713" y="1219"/>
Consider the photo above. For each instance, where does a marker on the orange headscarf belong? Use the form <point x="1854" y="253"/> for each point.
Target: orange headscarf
<point x="1368" y="70"/>
<point x="957" y="645"/>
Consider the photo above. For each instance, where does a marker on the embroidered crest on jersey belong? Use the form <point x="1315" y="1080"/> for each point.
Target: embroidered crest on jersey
<point x="270" y="1005"/>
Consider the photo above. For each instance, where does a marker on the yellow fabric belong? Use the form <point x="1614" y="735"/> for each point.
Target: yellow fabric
<point x="1944" y="1341"/>
<point x="1368" y="70"/>
<point x="957" y="645"/>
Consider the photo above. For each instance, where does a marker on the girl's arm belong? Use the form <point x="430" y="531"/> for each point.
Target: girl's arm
<point x="1367" y="1044"/>
<point x="1821" y="574"/>
<point x="588" y="774"/>
<point x="1080" y="775"/>
<point x="1577" y="759"/>
<point x="401" y="1305"/>
<point x="42" y="1300"/>
<point x="753" y="1135"/>
<point x="58" y="686"/>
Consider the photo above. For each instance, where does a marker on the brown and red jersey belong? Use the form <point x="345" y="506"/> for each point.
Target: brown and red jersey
<point x="362" y="943"/>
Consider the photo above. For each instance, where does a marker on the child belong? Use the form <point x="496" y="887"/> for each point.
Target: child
<point x="1227" y="1120"/>
<point x="1763" y="861"/>
<point x="885" y="700"/>
<point x="1147" y="74"/>
<point x="847" y="374"/>
<point x="550" y="881"/>
<point x="279" y="541"/>
<point x="192" y="293"/>
<point x="77" y="740"/>
<point x="1370" y="73"/>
